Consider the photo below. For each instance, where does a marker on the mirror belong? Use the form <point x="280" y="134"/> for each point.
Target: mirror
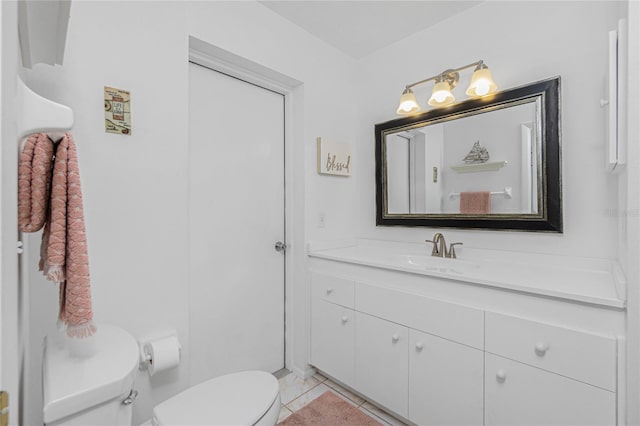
<point x="490" y="163"/>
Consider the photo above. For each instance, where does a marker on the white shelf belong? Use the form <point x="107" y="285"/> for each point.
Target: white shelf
<point x="480" y="167"/>
<point x="37" y="114"/>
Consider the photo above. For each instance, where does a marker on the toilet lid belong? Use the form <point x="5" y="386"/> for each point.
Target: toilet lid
<point x="234" y="399"/>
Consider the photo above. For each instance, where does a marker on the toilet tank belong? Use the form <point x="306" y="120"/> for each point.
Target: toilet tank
<point x="91" y="389"/>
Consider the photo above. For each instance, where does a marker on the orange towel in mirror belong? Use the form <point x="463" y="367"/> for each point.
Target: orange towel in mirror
<point x="475" y="202"/>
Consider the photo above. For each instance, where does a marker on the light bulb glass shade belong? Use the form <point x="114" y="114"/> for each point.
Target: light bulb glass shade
<point x="481" y="83"/>
<point x="441" y="95"/>
<point x="408" y="104"/>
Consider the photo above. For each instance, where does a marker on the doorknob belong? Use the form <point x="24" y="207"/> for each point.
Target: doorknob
<point x="280" y="247"/>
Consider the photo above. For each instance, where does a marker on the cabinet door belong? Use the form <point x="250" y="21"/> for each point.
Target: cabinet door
<point x="444" y="376"/>
<point x="333" y="340"/>
<point x="518" y="394"/>
<point x="382" y="366"/>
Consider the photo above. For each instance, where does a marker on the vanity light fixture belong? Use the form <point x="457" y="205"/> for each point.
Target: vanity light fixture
<point x="482" y="84"/>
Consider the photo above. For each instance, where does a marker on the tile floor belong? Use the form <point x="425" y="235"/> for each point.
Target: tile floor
<point x="295" y="393"/>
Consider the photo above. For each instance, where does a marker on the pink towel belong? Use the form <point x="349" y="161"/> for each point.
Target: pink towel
<point x="475" y="202"/>
<point x="34" y="177"/>
<point x="64" y="255"/>
<point x="67" y="258"/>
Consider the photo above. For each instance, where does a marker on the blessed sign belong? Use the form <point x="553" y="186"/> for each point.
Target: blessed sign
<point x="334" y="158"/>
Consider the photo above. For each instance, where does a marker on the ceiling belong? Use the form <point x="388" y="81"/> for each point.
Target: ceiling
<point x="359" y="28"/>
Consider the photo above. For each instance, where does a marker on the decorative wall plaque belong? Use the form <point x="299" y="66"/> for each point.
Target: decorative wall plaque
<point x="117" y="111"/>
<point x="334" y="158"/>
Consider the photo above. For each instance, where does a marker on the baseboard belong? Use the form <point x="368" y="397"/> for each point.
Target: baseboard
<point x="304" y="373"/>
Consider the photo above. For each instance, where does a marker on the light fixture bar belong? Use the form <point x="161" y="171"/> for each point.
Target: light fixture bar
<point x="451" y="71"/>
<point x="442" y="95"/>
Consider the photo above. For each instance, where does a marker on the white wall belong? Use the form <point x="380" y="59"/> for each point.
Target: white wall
<point x="136" y="186"/>
<point x="521" y="42"/>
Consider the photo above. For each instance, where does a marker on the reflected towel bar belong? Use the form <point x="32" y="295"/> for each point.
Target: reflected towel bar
<point x="507" y="193"/>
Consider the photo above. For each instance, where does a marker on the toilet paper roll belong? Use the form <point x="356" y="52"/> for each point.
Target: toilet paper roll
<point x="164" y="353"/>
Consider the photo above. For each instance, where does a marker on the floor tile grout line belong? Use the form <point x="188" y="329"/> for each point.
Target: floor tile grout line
<point x="321" y="381"/>
<point x="340" y="390"/>
<point x="300" y="394"/>
<point x="303" y="393"/>
<point x="357" y="404"/>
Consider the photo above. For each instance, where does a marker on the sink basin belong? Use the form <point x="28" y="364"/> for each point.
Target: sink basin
<point x="439" y="264"/>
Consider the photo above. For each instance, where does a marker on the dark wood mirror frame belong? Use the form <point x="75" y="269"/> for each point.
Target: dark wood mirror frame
<point x="549" y="218"/>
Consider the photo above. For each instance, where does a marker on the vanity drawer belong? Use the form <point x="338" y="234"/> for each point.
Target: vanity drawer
<point x="451" y="321"/>
<point x="333" y="289"/>
<point x="582" y="356"/>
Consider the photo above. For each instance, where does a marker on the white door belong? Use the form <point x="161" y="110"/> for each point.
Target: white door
<point x="236" y="192"/>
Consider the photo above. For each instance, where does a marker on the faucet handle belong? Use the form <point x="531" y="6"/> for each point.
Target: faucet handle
<point x="434" y="251"/>
<point x="452" y="250"/>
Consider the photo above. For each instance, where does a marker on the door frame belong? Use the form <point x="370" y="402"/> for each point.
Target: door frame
<point x="11" y="323"/>
<point x="220" y="60"/>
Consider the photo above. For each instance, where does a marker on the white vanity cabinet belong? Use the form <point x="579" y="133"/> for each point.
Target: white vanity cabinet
<point x="382" y="367"/>
<point x="437" y="351"/>
<point x="445" y="381"/>
<point x="419" y="357"/>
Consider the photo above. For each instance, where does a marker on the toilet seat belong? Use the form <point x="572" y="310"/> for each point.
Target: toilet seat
<point x="234" y="399"/>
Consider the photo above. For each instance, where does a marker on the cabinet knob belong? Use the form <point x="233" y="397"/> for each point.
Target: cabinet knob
<point x="329" y="290"/>
<point x="419" y="346"/>
<point x="501" y="376"/>
<point x="541" y="348"/>
<point x="344" y="319"/>
<point x="395" y="338"/>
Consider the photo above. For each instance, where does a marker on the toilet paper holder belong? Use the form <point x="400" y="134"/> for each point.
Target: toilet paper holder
<point x="145" y="357"/>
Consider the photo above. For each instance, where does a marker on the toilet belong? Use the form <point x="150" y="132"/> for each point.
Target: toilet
<point x="99" y="389"/>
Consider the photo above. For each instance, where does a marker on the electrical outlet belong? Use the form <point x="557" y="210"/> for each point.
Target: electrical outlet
<point x="322" y="219"/>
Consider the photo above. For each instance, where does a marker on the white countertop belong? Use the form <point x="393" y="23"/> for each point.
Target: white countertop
<point x="588" y="280"/>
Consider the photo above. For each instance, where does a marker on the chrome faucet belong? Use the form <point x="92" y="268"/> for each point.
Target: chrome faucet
<point x="440" y="247"/>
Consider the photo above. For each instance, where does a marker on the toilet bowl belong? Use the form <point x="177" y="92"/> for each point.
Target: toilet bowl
<point x="98" y="389"/>
<point x="244" y="398"/>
